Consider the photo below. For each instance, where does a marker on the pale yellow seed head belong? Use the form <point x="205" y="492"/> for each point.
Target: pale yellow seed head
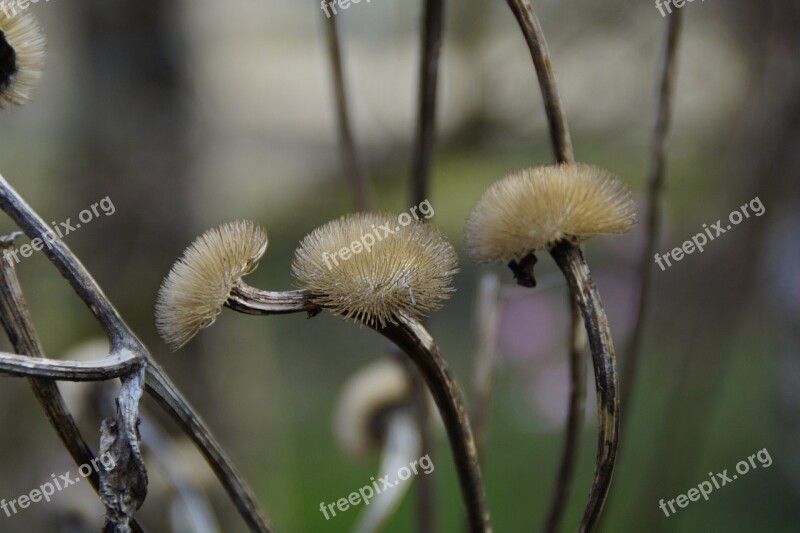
<point x="22" y="54"/>
<point x="408" y="271"/>
<point x="534" y="208"/>
<point x="199" y="284"/>
<point x="369" y="394"/>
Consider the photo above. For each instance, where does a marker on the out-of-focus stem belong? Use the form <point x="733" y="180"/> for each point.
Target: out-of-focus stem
<point x="655" y="182"/>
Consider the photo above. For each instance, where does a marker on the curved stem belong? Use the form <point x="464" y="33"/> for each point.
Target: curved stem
<point x="252" y="301"/>
<point x="417" y="343"/>
<point x="655" y="181"/>
<point x="573" y="265"/>
<point x="352" y="164"/>
<point x="126" y="349"/>
<point x="172" y="401"/>
<point x="577" y="409"/>
<point x="556" y="118"/>
<point x="116" y="365"/>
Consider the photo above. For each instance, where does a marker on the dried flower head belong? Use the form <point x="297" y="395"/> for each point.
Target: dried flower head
<point x="22" y="53"/>
<point x="365" y="402"/>
<point x="536" y="207"/>
<point x="369" y="267"/>
<point x="199" y="284"/>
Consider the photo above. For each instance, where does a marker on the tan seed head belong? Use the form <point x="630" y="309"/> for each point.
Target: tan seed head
<point x="22" y="53"/>
<point x="369" y="267"/>
<point x="534" y="208"/>
<point x="199" y="284"/>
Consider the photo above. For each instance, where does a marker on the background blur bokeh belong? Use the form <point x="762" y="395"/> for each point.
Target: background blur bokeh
<point x="188" y="114"/>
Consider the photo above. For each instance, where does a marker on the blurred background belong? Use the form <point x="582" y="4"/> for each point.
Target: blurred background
<point x="190" y="114"/>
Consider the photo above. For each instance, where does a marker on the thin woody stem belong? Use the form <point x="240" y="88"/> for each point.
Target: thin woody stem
<point x="573" y="265"/>
<point x="411" y="337"/>
<point x="353" y="167"/>
<point x="128" y="355"/>
<point x="655" y="182"/>
<point x="556" y="117"/>
<point x="416" y="342"/>
<point x="563" y="153"/>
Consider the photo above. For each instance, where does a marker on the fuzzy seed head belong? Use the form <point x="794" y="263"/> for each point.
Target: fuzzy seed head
<point x="380" y="274"/>
<point x="22" y="53"/>
<point x="534" y="208"/>
<point x="367" y="397"/>
<point x="199" y="284"/>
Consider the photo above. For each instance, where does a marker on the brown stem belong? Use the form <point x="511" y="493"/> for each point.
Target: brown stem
<point x="124" y="345"/>
<point x="411" y="337"/>
<point x="655" y="181"/>
<point x="486" y="327"/>
<point x="573" y="265"/>
<point x="562" y="150"/>
<point x="19" y="328"/>
<point x="430" y="52"/>
<point x="172" y="401"/>
<point x="417" y="343"/>
<point x="352" y="163"/>
<point x="431" y="47"/>
<point x="556" y="118"/>
<point x="577" y="410"/>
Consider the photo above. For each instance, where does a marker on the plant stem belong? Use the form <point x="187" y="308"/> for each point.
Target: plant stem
<point x="127" y="356"/>
<point x="486" y="326"/>
<point x="352" y="163"/>
<point x="562" y="150"/>
<point x="556" y="118"/>
<point x="655" y="182"/>
<point x="430" y="50"/>
<point x="417" y="343"/>
<point x="573" y="265"/>
<point x="575" y="417"/>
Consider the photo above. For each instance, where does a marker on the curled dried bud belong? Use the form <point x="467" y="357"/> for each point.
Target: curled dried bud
<point x="199" y="284"/>
<point x="370" y="268"/>
<point x="366" y="401"/>
<point x="22" y="53"/>
<point x="536" y="207"/>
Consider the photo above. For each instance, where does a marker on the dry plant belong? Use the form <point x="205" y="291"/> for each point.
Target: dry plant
<point x="386" y="288"/>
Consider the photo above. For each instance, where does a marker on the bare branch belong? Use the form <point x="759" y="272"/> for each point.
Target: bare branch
<point x="655" y="182"/>
<point x="114" y="366"/>
<point x="352" y="163"/>
<point x="556" y="117"/>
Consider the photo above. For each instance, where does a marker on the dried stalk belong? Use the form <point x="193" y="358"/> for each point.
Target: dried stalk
<point x="655" y="182"/>
<point x="416" y="342"/>
<point x="430" y="52"/>
<point x="575" y="417"/>
<point x="562" y="150"/>
<point x="123" y="344"/>
<point x="556" y="118"/>
<point x="19" y="327"/>
<point x="352" y="163"/>
<point x="486" y="313"/>
<point x="571" y="262"/>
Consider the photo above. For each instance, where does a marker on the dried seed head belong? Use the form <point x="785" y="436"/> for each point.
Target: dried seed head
<point x="366" y="399"/>
<point x="22" y="53"/>
<point x="199" y="284"/>
<point x="536" y="207"/>
<point x="370" y="268"/>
